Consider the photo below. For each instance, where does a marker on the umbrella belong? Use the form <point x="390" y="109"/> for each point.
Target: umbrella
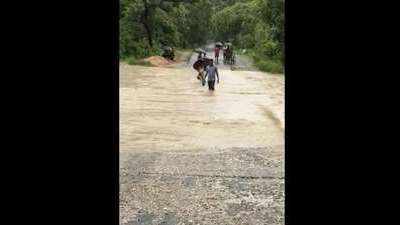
<point x="218" y="44"/>
<point x="228" y="43"/>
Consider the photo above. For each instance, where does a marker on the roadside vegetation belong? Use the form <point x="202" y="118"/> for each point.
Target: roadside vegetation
<point x="131" y="60"/>
<point x="254" y="25"/>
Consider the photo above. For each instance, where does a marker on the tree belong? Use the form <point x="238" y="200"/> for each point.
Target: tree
<point x="146" y="25"/>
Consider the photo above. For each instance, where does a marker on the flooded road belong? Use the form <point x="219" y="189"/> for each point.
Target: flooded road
<point x="191" y="156"/>
<point x="243" y="62"/>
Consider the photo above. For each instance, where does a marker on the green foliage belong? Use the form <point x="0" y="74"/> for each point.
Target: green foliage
<point x="272" y="66"/>
<point x="197" y="23"/>
<point x="254" y="24"/>
<point x="133" y="61"/>
<point x="147" y="25"/>
<point x="267" y="64"/>
<point x="234" y="21"/>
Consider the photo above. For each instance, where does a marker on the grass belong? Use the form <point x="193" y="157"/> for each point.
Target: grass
<point x="270" y="66"/>
<point x="264" y="64"/>
<point x="133" y="61"/>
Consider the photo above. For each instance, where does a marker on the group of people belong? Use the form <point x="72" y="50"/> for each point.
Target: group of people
<point x="205" y="66"/>
<point x="207" y="71"/>
<point x="225" y="48"/>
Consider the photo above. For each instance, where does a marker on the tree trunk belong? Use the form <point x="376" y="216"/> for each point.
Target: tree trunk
<point x="145" y="21"/>
<point x="148" y="33"/>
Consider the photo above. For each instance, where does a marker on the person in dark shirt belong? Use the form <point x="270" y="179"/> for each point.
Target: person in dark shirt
<point x="199" y="66"/>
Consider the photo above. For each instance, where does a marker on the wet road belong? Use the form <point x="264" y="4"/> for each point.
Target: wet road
<point x="190" y="156"/>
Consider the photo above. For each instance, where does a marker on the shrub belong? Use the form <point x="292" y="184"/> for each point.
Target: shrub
<point x="270" y="66"/>
<point x="131" y="60"/>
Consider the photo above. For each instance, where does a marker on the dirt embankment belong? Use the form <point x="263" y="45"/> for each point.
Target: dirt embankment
<point x="158" y="61"/>
<point x="181" y="57"/>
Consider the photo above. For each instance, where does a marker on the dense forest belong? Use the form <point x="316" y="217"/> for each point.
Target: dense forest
<point x="254" y="25"/>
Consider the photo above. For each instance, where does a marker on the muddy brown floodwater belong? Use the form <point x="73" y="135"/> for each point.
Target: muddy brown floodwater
<point x="191" y="156"/>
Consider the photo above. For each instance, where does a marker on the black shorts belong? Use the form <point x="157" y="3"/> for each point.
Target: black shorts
<point x="211" y="84"/>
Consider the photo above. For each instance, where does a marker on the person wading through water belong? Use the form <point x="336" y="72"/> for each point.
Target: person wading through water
<point x="199" y="66"/>
<point x="211" y="72"/>
<point x="216" y="53"/>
